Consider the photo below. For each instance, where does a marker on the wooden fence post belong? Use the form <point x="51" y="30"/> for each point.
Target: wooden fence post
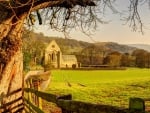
<point x="39" y="98"/>
<point x="137" y="105"/>
<point x="30" y="86"/>
<point x="65" y="97"/>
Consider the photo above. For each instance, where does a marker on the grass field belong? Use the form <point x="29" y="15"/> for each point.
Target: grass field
<point x="113" y="87"/>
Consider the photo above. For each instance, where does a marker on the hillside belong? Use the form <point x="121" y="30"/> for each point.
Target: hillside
<point x="141" y="46"/>
<point x="72" y="46"/>
<point x="118" y="47"/>
<point x="68" y="46"/>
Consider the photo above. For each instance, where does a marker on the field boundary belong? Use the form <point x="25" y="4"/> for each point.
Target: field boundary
<point x="95" y="68"/>
<point x="68" y="105"/>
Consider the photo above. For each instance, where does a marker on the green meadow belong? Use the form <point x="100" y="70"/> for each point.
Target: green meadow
<point x="112" y="87"/>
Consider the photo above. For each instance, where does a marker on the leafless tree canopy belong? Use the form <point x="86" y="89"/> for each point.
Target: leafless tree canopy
<point x="63" y="15"/>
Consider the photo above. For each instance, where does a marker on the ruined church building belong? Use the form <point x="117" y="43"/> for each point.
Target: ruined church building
<point x="56" y="59"/>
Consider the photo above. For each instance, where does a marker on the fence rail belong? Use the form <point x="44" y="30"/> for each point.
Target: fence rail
<point x="68" y="105"/>
<point x="33" y="100"/>
<point x="43" y="95"/>
<point x="11" y="102"/>
<point x="31" y="108"/>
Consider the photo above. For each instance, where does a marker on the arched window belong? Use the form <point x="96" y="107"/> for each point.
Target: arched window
<point x="53" y="56"/>
<point x="49" y="58"/>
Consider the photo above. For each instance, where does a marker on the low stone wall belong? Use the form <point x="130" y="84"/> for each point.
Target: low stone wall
<point x="95" y="68"/>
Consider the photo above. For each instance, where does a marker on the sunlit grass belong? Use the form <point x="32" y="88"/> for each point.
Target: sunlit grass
<point x="106" y="87"/>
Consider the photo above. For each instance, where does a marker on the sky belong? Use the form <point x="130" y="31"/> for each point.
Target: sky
<point x="114" y="31"/>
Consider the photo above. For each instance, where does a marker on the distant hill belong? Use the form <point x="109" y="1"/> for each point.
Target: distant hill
<point x="118" y="47"/>
<point x="68" y="46"/>
<point x="141" y="46"/>
<point x="72" y="46"/>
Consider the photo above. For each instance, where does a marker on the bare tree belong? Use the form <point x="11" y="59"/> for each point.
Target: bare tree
<point x="63" y="15"/>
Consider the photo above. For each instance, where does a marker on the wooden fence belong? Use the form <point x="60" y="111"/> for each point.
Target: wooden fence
<point x="65" y="102"/>
<point x="68" y="105"/>
<point x="15" y="104"/>
<point x="33" y="100"/>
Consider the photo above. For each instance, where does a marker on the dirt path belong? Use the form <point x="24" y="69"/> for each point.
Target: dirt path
<point x="49" y="107"/>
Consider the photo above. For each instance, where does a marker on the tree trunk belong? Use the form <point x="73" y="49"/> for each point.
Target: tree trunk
<point x="11" y="62"/>
<point x="13" y="13"/>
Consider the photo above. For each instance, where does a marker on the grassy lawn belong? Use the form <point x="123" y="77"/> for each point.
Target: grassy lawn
<point x="113" y="87"/>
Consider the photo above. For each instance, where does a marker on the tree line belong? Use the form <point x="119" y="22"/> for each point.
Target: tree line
<point x="87" y="54"/>
<point x="102" y="56"/>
